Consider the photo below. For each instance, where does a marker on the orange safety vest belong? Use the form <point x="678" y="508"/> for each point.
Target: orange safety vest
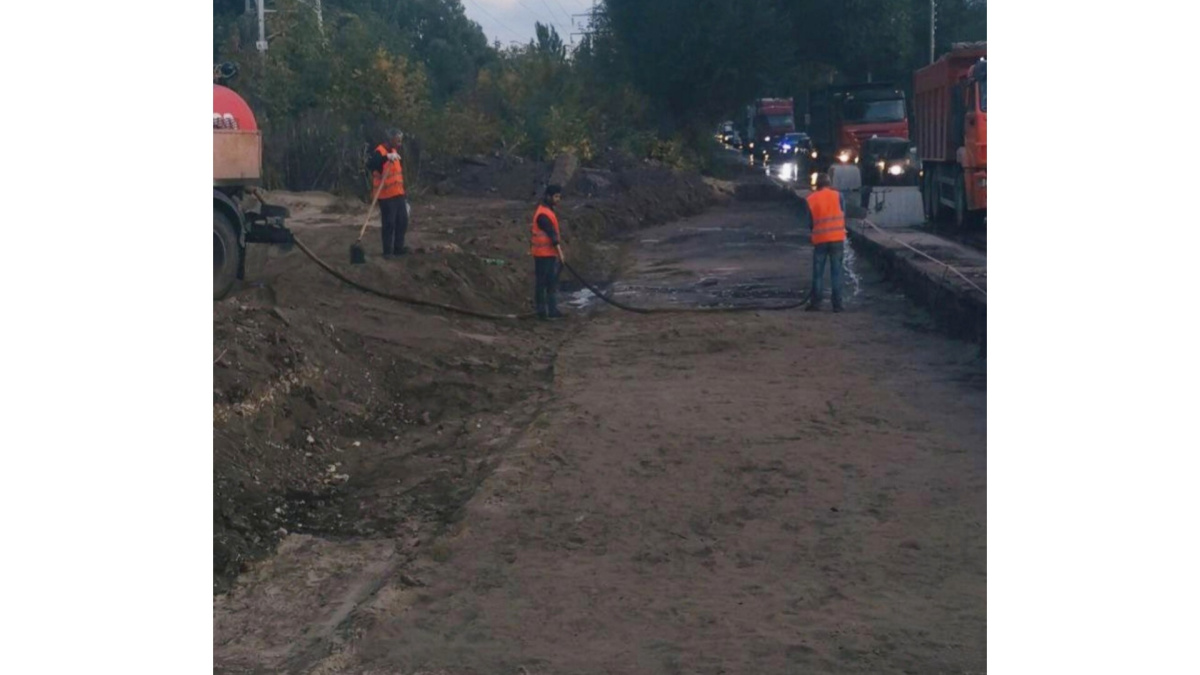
<point x="540" y="245"/>
<point x="828" y="221"/>
<point x="393" y="185"/>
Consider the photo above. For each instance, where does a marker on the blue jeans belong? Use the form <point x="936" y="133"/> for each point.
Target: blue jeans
<point x="831" y="252"/>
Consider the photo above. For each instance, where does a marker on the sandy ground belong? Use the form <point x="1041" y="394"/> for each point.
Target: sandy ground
<point x="769" y="492"/>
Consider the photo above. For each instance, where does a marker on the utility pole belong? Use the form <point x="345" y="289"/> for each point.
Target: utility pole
<point x="262" y="27"/>
<point x="262" y="11"/>
<point x="587" y="27"/>
<point x="932" y="27"/>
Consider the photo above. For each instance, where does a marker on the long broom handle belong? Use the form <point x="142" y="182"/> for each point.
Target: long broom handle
<point x="370" y="208"/>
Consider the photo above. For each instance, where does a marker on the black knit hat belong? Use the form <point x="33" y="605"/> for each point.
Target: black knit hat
<point x="552" y="190"/>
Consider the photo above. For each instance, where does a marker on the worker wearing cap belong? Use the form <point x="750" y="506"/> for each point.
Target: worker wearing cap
<point x="827" y="211"/>
<point x="387" y="177"/>
<point x="546" y="247"/>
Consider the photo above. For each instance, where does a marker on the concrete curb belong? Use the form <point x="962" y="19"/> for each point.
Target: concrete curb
<point x="957" y="309"/>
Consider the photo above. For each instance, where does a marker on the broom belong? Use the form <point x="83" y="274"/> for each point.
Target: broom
<point x="357" y="255"/>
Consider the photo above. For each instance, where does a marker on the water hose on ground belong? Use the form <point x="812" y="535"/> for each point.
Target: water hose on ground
<point x="925" y="255"/>
<point x="528" y="315"/>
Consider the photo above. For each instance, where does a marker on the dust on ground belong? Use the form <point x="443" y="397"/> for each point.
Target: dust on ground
<point x="315" y="384"/>
<point x="763" y="492"/>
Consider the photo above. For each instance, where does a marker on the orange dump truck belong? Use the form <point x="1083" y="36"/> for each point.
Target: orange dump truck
<point x="950" y="131"/>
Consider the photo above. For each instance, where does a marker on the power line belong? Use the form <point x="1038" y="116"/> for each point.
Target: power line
<point x="498" y="21"/>
<point x="564" y="9"/>
<point x="534" y="12"/>
<point x="552" y="12"/>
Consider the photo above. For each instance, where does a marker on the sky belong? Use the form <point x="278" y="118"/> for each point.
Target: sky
<point x="509" y="20"/>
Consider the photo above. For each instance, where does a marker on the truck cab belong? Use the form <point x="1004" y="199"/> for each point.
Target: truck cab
<point x="845" y="116"/>
<point x="768" y="120"/>
<point x="974" y="135"/>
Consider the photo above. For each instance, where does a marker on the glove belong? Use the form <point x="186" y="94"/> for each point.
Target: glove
<point x="393" y="157"/>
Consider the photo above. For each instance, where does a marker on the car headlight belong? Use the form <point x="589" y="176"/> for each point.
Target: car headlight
<point x="814" y="154"/>
<point x="896" y="170"/>
<point x="751" y="145"/>
<point x="786" y="148"/>
<point x="767" y="139"/>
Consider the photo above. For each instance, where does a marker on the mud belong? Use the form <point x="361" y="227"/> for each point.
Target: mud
<point x="317" y="386"/>
<point x="765" y="492"/>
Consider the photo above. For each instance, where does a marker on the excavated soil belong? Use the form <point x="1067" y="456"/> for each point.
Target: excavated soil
<point x="760" y="492"/>
<point x="315" y="383"/>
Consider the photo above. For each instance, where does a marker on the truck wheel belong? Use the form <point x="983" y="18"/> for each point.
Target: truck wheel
<point x="225" y="254"/>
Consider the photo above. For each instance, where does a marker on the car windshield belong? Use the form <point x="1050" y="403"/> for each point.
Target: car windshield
<point x="983" y="95"/>
<point x="777" y="121"/>
<point x="874" y="111"/>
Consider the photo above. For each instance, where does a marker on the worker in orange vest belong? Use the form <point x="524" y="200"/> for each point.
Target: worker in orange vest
<point x="546" y="248"/>
<point x="387" y="176"/>
<point x="827" y="212"/>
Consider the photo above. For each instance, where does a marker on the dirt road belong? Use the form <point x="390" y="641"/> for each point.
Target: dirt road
<point x="768" y="492"/>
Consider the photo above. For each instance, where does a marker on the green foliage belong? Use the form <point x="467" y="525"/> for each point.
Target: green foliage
<point x="649" y="79"/>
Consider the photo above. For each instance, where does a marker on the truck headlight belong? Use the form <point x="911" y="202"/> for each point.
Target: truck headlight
<point x="814" y="154"/>
<point x="767" y="139"/>
<point x="844" y="156"/>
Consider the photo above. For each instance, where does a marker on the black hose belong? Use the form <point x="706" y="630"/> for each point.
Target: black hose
<point x="401" y="298"/>
<point x="509" y="317"/>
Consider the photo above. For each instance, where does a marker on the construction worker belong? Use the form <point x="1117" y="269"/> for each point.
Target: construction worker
<point x="827" y="212"/>
<point x="386" y="170"/>
<point x="546" y="248"/>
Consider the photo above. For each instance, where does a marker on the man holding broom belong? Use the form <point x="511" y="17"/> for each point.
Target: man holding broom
<point x="387" y="179"/>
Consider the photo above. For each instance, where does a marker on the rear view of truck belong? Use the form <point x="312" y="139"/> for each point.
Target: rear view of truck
<point x="950" y="130"/>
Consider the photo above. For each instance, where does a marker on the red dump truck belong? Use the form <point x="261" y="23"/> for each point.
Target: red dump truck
<point x="237" y="172"/>
<point x="843" y="116"/>
<point x="766" y="120"/>
<point x="950" y="130"/>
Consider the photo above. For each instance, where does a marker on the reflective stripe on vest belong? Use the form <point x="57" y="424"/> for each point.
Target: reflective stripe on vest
<point x="828" y="221"/>
<point x="541" y="246"/>
<point x="393" y="184"/>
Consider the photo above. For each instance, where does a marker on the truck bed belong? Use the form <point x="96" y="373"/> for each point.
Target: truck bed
<point x="933" y="114"/>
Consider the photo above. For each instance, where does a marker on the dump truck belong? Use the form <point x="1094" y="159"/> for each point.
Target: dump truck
<point x="237" y="175"/>
<point x="766" y="120"/>
<point x="841" y="117"/>
<point x="950" y="130"/>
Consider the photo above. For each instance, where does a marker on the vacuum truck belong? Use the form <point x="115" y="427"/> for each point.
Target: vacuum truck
<point x="237" y="173"/>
